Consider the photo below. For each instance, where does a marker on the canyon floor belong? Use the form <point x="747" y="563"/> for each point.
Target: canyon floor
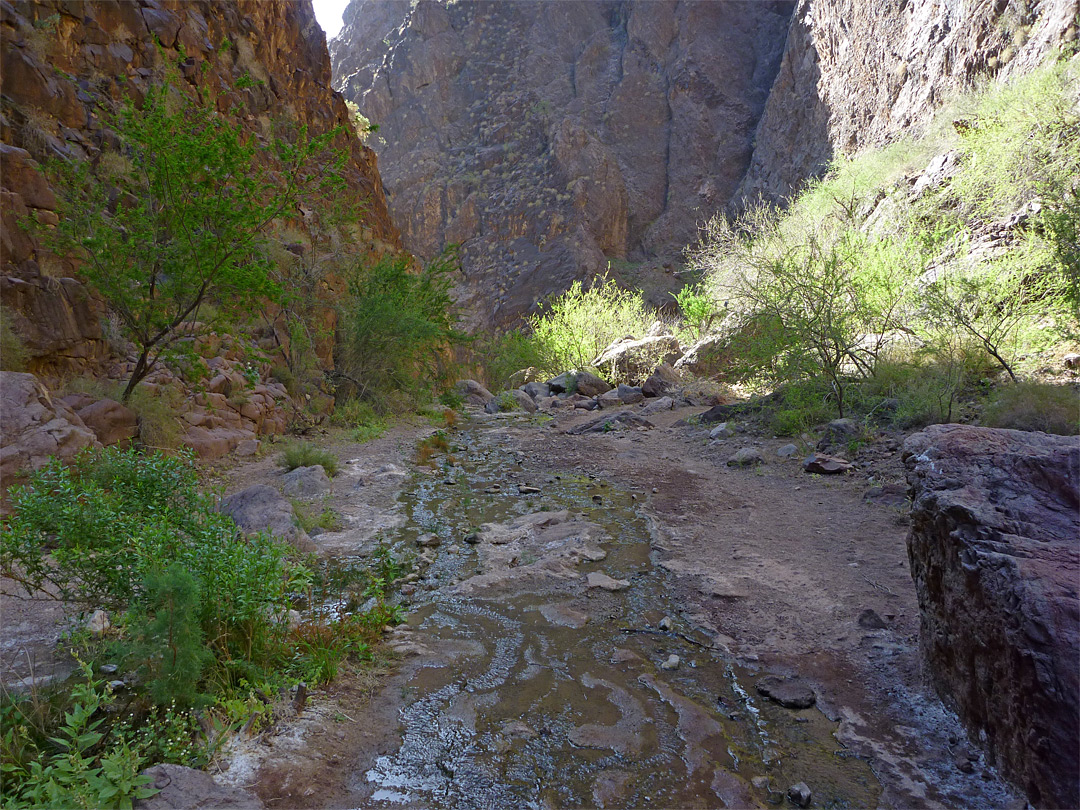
<point x="535" y="667"/>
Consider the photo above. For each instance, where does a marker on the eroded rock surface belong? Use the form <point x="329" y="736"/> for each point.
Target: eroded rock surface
<point x="261" y="508"/>
<point x="548" y="138"/>
<point x="34" y="426"/>
<point x="994" y="550"/>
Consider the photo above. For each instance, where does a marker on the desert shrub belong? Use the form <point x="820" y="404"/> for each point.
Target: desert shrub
<point x="306" y="454"/>
<point x="822" y="307"/>
<point x="168" y="642"/>
<point x="501" y="356"/>
<point x="396" y="330"/>
<point x="99" y="530"/>
<point x="698" y="310"/>
<point x="158" y="425"/>
<point x="575" y="327"/>
<point x="69" y="764"/>
<point x="1029" y="405"/>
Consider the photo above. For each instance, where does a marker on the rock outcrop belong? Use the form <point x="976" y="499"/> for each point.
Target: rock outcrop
<point x="34" y="426"/>
<point x="551" y="138"/>
<point x="856" y="74"/>
<point x="995" y="554"/>
<point x="59" y="60"/>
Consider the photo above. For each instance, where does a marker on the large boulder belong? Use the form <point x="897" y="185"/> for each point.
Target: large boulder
<point x="663" y="379"/>
<point x="261" y="508"/>
<point x="705" y="358"/>
<point x="578" y="382"/>
<point x="110" y="421"/>
<point x="34" y="426"/>
<point x="994" y="549"/>
<point x="635" y="359"/>
<point x="182" y="787"/>
<point x="305" y="482"/>
<point x="473" y="393"/>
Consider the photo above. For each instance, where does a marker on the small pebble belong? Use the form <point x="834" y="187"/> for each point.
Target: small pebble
<point x="666" y="624"/>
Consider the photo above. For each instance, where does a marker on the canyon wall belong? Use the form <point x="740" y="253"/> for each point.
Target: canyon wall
<point x="60" y="60"/>
<point x="551" y="138"/>
<point x="857" y="74"/>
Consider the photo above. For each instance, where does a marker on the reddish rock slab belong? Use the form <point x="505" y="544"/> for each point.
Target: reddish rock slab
<point x="994" y="549"/>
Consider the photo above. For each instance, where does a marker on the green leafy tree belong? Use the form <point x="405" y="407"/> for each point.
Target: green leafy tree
<point x="396" y="328"/>
<point x="176" y="215"/>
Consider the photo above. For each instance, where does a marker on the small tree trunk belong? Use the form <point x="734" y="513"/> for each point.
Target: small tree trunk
<point x="142" y="368"/>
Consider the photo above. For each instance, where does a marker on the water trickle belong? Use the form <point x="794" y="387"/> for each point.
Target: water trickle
<point x="541" y="692"/>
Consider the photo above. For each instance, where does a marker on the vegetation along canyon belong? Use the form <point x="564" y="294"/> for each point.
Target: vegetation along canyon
<point x="540" y="403"/>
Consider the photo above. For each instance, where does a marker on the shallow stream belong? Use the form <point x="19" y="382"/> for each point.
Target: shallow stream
<point x="542" y="692"/>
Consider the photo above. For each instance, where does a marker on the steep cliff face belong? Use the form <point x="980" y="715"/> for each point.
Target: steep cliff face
<point x="857" y="74"/>
<point x="551" y="138"/>
<point x="60" y="59"/>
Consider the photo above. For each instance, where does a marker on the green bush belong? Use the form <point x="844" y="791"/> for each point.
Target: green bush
<point x="576" y="326"/>
<point x="306" y="454"/>
<point x="396" y="330"/>
<point x="98" y="531"/>
<point x="501" y="356"/>
<point x="1028" y="405"/>
<point x="72" y="767"/>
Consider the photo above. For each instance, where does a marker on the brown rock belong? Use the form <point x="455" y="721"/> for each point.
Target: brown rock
<point x="552" y="161"/>
<point x="826" y="465"/>
<point x="33" y="426"/>
<point x="111" y="422"/>
<point x="994" y="550"/>
<point x="791" y="693"/>
<point x="663" y="379"/>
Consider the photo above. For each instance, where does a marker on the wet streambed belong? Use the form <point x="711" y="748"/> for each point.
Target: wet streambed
<point x="530" y="689"/>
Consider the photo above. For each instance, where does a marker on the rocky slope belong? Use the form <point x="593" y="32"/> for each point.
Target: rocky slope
<point x="551" y="138"/>
<point x="855" y="75"/>
<point x="59" y="59"/>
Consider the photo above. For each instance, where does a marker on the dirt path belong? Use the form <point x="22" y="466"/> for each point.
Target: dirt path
<point x="771" y="567"/>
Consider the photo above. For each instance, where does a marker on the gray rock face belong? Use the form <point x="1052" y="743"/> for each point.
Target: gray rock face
<point x="305" y="482"/>
<point x="855" y="74"/>
<point x="261" y="508"/>
<point x="33" y="426"/>
<point x="474" y="393"/>
<point x="550" y="137"/>
<point x="190" y="789"/>
<point x="994" y="549"/>
<point x="610" y="422"/>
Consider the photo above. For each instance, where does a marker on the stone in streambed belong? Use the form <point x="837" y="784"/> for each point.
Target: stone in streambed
<point x="791" y="693"/>
<point x="747" y="457"/>
<point x="826" y="465"/>
<point x="598" y="579"/>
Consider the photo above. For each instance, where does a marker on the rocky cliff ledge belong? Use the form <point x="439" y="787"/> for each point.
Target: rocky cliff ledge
<point x="857" y="74"/>
<point x="59" y="59"/>
<point x="549" y="138"/>
<point x="995" y="554"/>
